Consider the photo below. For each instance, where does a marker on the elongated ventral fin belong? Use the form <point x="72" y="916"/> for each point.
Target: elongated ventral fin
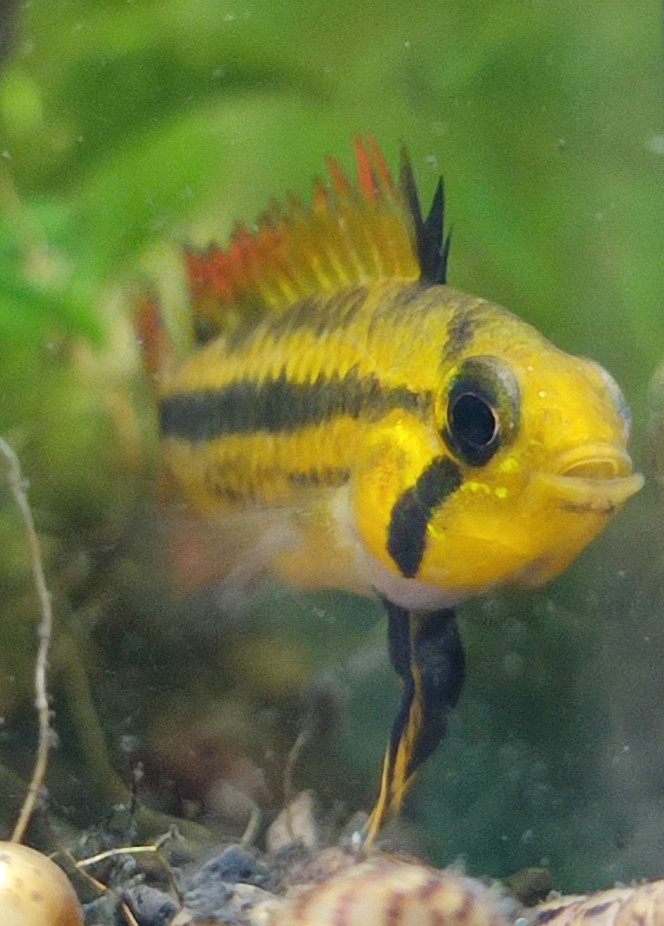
<point x="350" y="234"/>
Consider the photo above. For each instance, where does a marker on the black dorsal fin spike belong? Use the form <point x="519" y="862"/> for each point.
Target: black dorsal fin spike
<point x="409" y="191"/>
<point x="437" y="246"/>
<point x="431" y="244"/>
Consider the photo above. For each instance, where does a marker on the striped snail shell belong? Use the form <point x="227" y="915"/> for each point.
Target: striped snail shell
<point x="388" y="891"/>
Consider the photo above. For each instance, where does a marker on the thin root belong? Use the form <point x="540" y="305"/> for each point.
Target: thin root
<point x="18" y="487"/>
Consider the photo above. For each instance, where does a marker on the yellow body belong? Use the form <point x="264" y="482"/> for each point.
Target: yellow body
<point x="506" y="522"/>
<point x="351" y="421"/>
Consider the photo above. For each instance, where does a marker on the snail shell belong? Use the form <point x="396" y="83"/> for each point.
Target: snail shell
<point x="621" y="906"/>
<point x="34" y="891"/>
<point x="388" y="891"/>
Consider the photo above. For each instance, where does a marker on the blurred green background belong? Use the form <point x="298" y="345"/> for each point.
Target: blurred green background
<point x="127" y="126"/>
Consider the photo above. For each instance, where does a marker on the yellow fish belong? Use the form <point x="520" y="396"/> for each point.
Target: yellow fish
<point x="353" y="422"/>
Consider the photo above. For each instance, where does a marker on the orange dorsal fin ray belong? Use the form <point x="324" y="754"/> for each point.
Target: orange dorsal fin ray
<point x="154" y="342"/>
<point x="350" y="234"/>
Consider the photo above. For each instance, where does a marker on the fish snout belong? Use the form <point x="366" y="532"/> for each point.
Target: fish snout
<point x="595" y="477"/>
<point x="603" y="462"/>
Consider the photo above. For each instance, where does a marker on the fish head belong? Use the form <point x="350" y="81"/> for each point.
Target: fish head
<point x="539" y="438"/>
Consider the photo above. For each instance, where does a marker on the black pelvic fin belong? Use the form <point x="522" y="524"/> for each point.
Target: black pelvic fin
<point x="426" y="651"/>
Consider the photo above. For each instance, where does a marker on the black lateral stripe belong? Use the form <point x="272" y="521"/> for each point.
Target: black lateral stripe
<point x="325" y="476"/>
<point x="277" y="405"/>
<point x="412" y="511"/>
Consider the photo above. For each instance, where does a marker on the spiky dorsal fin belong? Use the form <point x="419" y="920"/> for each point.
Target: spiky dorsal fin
<point x="433" y="246"/>
<point x="350" y="234"/>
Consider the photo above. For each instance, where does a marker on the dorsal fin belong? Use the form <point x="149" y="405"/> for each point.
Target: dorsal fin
<point x="432" y="246"/>
<point x="350" y="234"/>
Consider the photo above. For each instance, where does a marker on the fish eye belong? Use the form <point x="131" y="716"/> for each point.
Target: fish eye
<point x="482" y="409"/>
<point x="472" y="420"/>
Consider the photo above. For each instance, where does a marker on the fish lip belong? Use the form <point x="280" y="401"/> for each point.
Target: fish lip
<point x="596" y="461"/>
<point x="594" y="477"/>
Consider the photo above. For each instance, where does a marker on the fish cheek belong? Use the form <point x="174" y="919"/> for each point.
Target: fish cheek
<point x="395" y="454"/>
<point x="480" y="537"/>
<point x="496" y="532"/>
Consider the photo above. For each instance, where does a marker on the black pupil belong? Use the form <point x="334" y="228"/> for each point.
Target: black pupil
<point x="472" y="420"/>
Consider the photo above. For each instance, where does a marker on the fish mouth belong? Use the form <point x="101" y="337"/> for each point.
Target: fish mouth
<point x="595" y="477"/>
